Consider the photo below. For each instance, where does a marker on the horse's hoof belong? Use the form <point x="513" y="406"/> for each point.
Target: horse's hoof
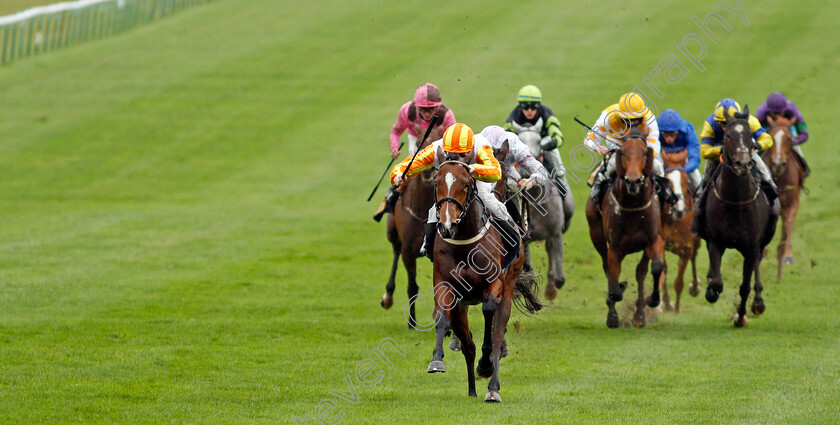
<point x="742" y="323"/>
<point x="386" y="301"/>
<point x="787" y="260"/>
<point x="436" y="366"/>
<point x="758" y="308"/>
<point x="668" y="306"/>
<point x="472" y="394"/>
<point x="639" y="321"/>
<point x="694" y="289"/>
<point x="550" y="291"/>
<point x="711" y="295"/>
<point x="559" y="282"/>
<point x="455" y="344"/>
<point x="492" y="397"/>
<point x="504" y="350"/>
<point x="482" y="371"/>
<point x="652" y="301"/>
<point x="612" y="321"/>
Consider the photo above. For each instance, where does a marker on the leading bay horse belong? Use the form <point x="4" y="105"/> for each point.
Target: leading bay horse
<point x="628" y="221"/>
<point x="467" y="271"/>
<point x="789" y="175"/>
<point x="676" y="229"/>
<point x="405" y="229"/>
<point x="737" y="216"/>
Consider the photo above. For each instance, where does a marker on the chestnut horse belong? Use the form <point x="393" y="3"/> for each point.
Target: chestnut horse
<point x="676" y="229"/>
<point x="737" y="216"/>
<point x="788" y="174"/>
<point x="405" y="230"/>
<point x="467" y="271"/>
<point x="627" y="221"/>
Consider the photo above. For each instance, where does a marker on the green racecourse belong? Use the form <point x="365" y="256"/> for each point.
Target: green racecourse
<point x="185" y="237"/>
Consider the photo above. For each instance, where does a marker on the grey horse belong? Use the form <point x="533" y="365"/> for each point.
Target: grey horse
<point x="549" y="216"/>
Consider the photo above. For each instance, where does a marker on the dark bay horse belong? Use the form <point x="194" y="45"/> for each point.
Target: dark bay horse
<point x="676" y="229"/>
<point x="405" y="230"/>
<point x="628" y="221"/>
<point x="788" y="173"/>
<point x="467" y="271"/>
<point x="737" y="216"/>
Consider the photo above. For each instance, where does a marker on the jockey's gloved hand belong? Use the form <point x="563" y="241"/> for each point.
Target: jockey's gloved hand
<point x="548" y="144"/>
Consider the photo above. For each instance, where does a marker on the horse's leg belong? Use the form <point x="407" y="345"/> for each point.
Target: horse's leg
<point x="550" y="289"/>
<point x="679" y="284"/>
<point x="554" y="249"/>
<point x="461" y="329"/>
<point x="694" y="288"/>
<point x="656" y="253"/>
<point x="527" y="266"/>
<point x="615" y="289"/>
<point x="751" y="259"/>
<point x="663" y="286"/>
<point x="715" y="282"/>
<point x="596" y="232"/>
<point x="488" y="308"/>
<point x="758" y="306"/>
<point x="786" y="244"/>
<point x="387" y="299"/>
<point x="500" y="322"/>
<point x="410" y="263"/>
<point x="441" y="328"/>
<point x="641" y="273"/>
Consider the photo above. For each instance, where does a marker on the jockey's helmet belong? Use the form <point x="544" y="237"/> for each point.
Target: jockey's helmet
<point x="427" y="96"/>
<point x="776" y="102"/>
<point x="458" y="138"/>
<point x="669" y="120"/>
<point x="632" y="106"/>
<point x="529" y="93"/>
<point x="726" y="108"/>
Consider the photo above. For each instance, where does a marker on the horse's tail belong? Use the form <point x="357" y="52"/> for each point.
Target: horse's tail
<point x="524" y="289"/>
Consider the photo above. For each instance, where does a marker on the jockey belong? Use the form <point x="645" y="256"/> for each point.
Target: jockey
<point x="415" y="116"/>
<point x="677" y="135"/>
<point x="778" y="106"/>
<point x="518" y="154"/>
<point x="613" y="124"/>
<point x="711" y="143"/>
<point x="459" y="140"/>
<point x="531" y="115"/>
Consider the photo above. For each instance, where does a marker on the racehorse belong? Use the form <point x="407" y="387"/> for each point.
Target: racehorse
<point x="405" y="230"/>
<point x="737" y="216"/>
<point x="549" y="216"/>
<point x="788" y="174"/>
<point x="676" y="229"/>
<point x="465" y="236"/>
<point x="628" y="221"/>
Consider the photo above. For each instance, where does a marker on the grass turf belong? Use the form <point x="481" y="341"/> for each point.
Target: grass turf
<point x="185" y="238"/>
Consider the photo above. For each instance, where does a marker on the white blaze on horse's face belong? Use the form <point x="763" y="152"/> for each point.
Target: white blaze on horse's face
<point x="778" y="138"/>
<point x="675" y="177"/>
<point x="450" y="180"/>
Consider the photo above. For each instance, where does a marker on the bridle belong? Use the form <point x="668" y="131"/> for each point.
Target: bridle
<point x="470" y="195"/>
<point x="618" y="206"/>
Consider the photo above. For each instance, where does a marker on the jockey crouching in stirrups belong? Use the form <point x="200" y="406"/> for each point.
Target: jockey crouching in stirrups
<point x="614" y="123"/>
<point x="677" y="135"/>
<point x="518" y="154"/>
<point x="415" y="116"/>
<point x="460" y="143"/>
<point x="711" y="143"/>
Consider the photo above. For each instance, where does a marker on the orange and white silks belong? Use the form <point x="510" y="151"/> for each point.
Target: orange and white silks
<point x="485" y="167"/>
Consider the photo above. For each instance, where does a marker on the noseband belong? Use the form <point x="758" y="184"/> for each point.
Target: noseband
<point x="470" y="195"/>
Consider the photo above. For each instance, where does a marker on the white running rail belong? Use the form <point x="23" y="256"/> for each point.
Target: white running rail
<point x="45" y="28"/>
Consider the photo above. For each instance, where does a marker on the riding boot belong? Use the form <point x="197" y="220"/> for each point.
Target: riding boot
<point x="698" y="225"/>
<point x="511" y="241"/>
<point x="663" y="189"/>
<point x="428" y="248"/>
<point x="806" y="170"/>
<point x="561" y="183"/>
<point x="388" y="204"/>
<point x="770" y="190"/>
<point x="598" y="189"/>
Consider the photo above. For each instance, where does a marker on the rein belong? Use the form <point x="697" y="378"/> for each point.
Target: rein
<point x="754" y="197"/>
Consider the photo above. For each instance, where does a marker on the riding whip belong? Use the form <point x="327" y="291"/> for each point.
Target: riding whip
<point x="383" y="174"/>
